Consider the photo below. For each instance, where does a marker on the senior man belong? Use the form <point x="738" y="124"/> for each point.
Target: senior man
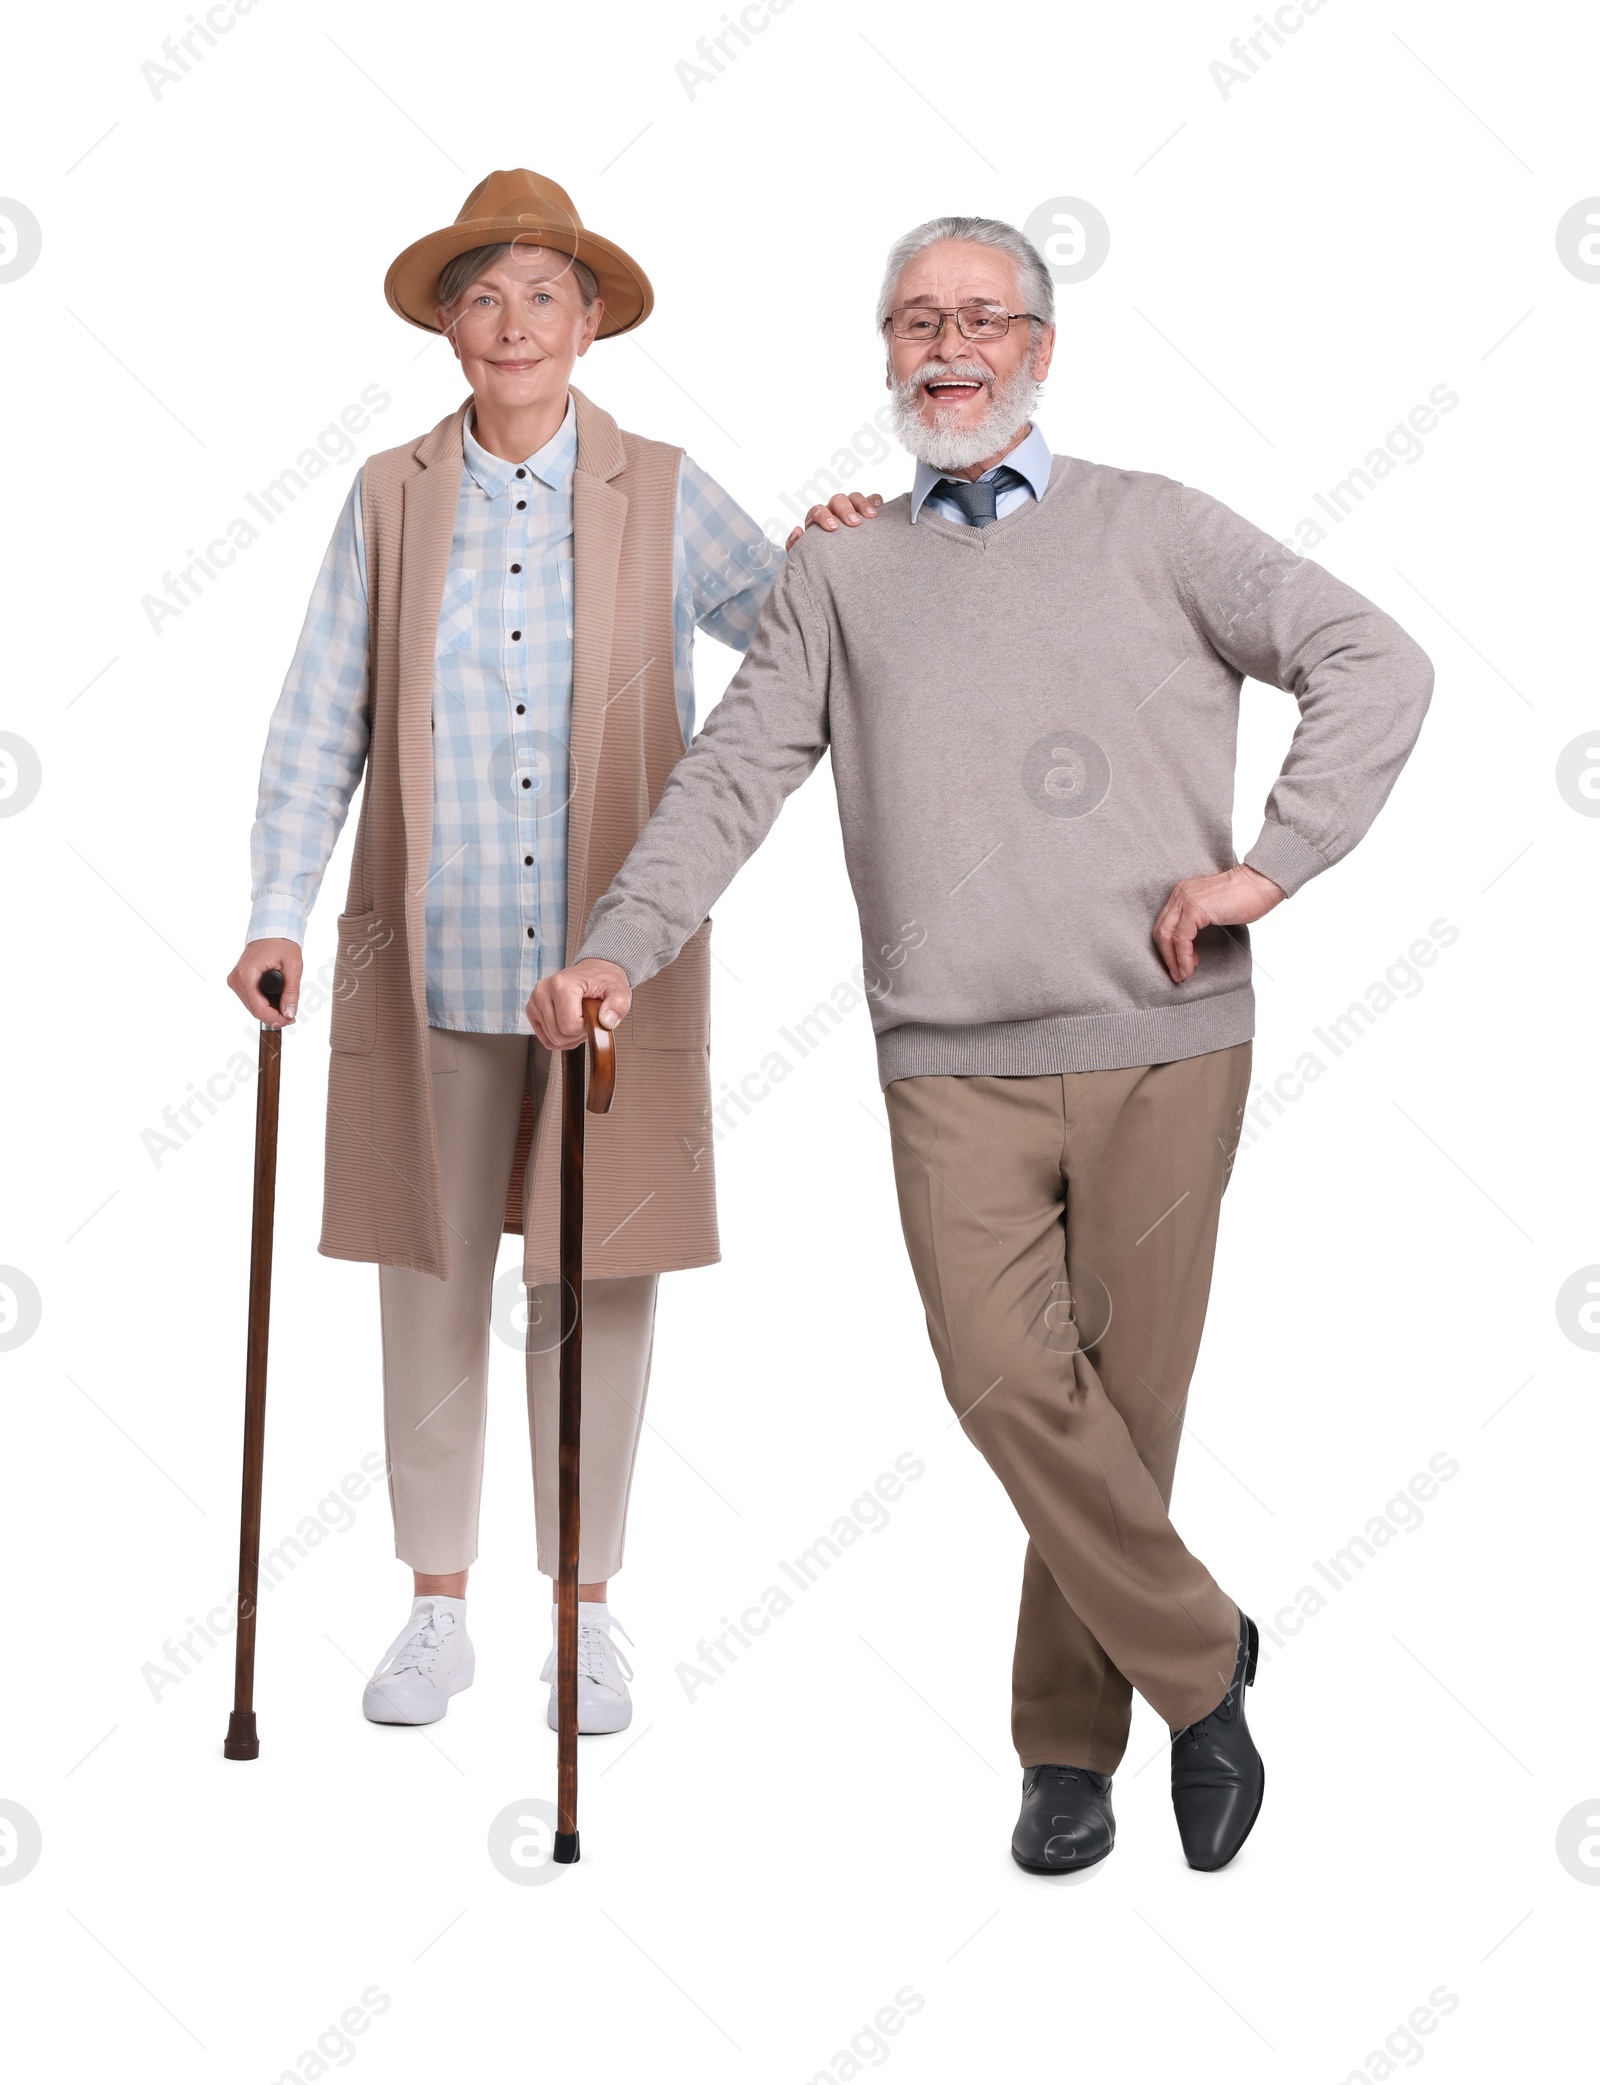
<point x="1028" y="672"/>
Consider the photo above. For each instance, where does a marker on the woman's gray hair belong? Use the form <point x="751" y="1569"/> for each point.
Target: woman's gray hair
<point x="1033" y="277"/>
<point x="455" y="275"/>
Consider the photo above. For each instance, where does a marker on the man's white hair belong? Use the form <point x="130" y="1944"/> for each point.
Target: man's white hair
<point x="1038" y="294"/>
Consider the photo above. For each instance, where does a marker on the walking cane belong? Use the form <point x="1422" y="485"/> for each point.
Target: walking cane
<point x="602" y="1085"/>
<point x="241" y="1741"/>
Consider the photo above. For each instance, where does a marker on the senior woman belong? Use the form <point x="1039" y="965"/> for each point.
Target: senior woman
<point x="501" y="634"/>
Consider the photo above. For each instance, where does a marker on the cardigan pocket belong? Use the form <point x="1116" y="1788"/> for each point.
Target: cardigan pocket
<point x="456" y="617"/>
<point x="672" y="1010"/>
<point x="353" y="1029"/>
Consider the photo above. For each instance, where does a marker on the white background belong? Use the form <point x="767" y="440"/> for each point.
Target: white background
<point x="1293" y="266"/>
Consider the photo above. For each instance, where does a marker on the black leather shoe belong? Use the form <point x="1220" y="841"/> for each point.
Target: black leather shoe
<point x="1066" y="1821"/>
<point x="1217" y="1775"/>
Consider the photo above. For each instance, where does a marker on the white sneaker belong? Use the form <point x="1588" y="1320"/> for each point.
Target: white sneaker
<point x="429" y="1660"/>
<point x="604" y="1703"/>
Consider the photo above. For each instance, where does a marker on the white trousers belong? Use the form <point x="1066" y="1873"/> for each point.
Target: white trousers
<point x="436" y="1338"/>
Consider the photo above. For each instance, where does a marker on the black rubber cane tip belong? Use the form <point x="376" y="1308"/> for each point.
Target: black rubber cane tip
<point x="566" y="1849"/>
<point x="272" y="989"/>
<point x="241" y="1741"/>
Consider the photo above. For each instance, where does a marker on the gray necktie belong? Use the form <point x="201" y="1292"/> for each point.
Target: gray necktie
<point x="976" y="499"/>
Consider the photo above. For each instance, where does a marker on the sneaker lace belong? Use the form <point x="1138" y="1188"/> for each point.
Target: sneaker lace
<point x="595" y="1648"/>
<point x="596" y="1652"/>
<point x="423" y="1645"/>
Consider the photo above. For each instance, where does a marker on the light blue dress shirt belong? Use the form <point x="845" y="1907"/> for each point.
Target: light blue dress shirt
<point x="1031" y="457"/>
<point x="495" y="909"/>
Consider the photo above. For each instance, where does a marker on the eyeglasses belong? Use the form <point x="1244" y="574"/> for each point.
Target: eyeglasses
<point x="925" y="322"/>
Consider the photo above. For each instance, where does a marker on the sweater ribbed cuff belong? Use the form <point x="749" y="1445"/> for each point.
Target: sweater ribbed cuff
<point x="637" y="953"/>
<point x="1285" y="857"/>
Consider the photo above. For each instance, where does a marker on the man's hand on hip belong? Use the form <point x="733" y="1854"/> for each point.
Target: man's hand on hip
<point x="555" y="1005"/>
<point x="1232" y="899"/>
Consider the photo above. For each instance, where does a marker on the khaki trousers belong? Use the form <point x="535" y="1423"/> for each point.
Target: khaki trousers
<point x="1062" y="1231"/>
<point x="436" y="1341"/>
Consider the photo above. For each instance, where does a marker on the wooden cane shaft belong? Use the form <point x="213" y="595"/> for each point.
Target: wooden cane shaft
<point x="255" y="1379"/>
<point x="572" y="1066"/>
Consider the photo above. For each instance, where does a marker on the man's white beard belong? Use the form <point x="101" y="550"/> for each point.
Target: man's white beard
<point x="947" y="447"/>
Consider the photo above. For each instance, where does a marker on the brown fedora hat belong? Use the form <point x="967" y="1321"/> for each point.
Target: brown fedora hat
<point x="514" y="204"/>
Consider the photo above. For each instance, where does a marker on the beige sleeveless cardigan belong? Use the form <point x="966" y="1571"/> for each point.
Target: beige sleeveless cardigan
<point x="650" y="1197"/>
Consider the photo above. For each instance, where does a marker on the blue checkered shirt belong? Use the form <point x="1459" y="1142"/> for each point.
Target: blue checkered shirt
<point x="496" y="905"/>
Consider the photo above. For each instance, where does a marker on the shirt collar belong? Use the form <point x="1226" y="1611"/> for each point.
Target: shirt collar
<point x="1030" y="459"/>
<point x="552" y="465"/>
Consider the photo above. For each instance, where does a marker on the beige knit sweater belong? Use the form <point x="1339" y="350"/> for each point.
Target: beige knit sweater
<point x="1032" y="728"/>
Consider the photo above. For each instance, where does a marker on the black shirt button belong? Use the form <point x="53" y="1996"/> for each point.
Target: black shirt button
<point x="526" y="782"/>
<point x="520" y="505"/>
<point x="521" y="706"/>
<point x="527" y="861"/>
<point x="530" y="933"/>
<point x="515" y="636"/>
<point x="516" y="568"/>
<point x="521" y="473"/>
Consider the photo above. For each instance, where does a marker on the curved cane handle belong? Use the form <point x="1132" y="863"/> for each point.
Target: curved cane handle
<point x="602" y="1060"/>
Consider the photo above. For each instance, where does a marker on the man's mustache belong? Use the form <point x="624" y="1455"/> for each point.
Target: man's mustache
<point x="952" y="372"/>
